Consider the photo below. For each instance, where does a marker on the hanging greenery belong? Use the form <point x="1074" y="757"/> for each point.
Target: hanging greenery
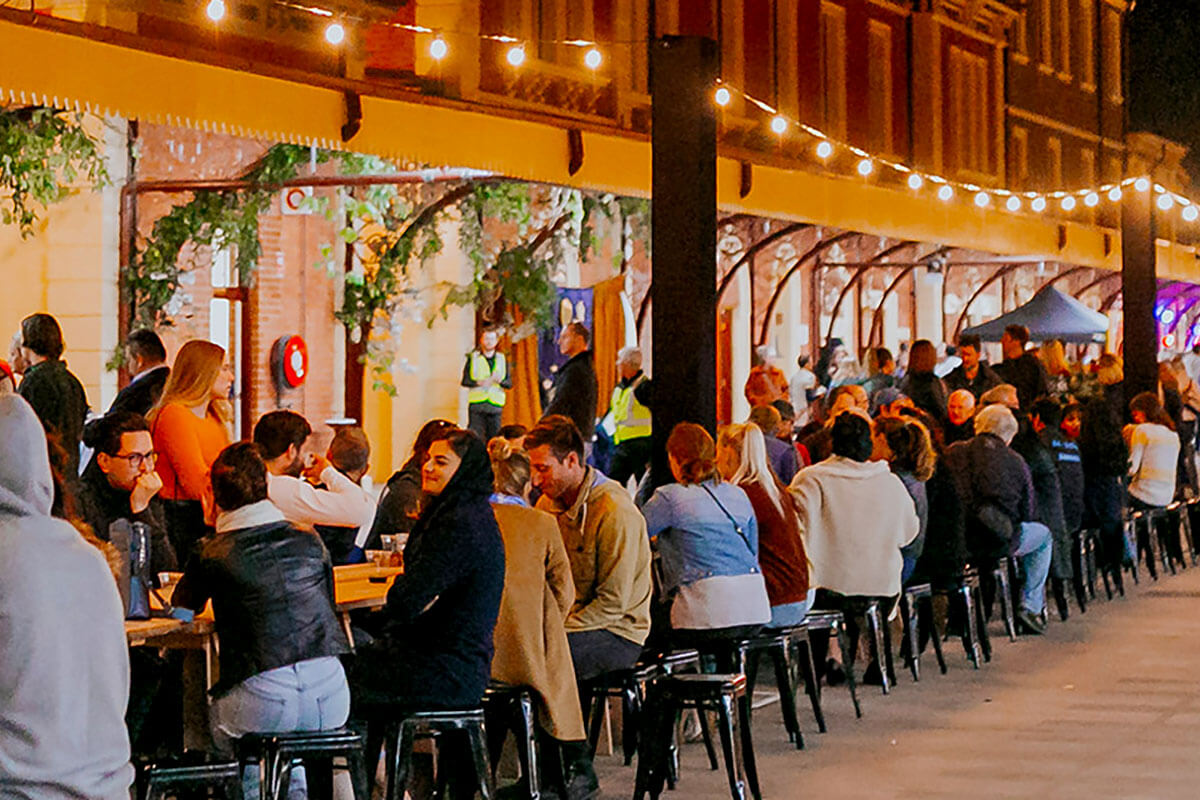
<point x="42" y="153"/>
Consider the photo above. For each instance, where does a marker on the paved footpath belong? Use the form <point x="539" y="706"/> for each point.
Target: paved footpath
<point x="1106" y="705"/>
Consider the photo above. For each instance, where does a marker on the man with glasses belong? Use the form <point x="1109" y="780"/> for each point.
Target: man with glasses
<point x="125" y="486"/>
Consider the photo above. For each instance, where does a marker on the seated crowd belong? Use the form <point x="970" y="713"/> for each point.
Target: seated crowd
<point x="523" y="563"/>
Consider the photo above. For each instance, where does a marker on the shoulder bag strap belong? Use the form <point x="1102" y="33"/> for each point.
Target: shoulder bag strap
<point x="736" y="525"/>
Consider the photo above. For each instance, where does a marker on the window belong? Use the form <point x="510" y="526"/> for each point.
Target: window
<point x="1062" y="38"/>
<point x="1019" y="37"/>
<point x="1018" y="164"/>
<point x="1085" y="49"/>
<point x="1045" y="28"/>
<point x="1054" y="172"/>
<point x="225" y="325"/>
<point x="969" y="102"/>
<point x="1112" y="56"/>
<point x="833" y="69"/>
<point x="879" y="116"/>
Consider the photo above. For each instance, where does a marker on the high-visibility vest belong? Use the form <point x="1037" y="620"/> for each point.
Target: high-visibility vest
<point x="631" y="417"/>
<point x="480" y="371"/>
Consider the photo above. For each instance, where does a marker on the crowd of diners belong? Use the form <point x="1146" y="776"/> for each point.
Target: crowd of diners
<point x="523" y="563"/>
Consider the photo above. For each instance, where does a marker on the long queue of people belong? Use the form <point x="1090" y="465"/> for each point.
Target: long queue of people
<point x="523" y="563"/>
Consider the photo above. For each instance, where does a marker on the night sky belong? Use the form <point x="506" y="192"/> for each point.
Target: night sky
<point x="1164" y="72"/>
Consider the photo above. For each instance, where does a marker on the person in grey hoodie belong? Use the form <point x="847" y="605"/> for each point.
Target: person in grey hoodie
<point x="62" y="728"/>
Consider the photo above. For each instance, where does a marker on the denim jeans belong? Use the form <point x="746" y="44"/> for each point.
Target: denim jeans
<point x="308" y="696"/>
<point x="1034" y="550"/>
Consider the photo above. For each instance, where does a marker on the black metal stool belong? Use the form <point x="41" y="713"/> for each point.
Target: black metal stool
<point x="778" y="647"/>
<point x="278" y="753"/>
<point x="913" y="600"/>
<point x="1146" y="538"/>
<point x="666" y="698"/>
<point x="967" y="599"/>
<point x="510" y="709"/>
<point x="835" y="624"/>
<point x="402" y="734"/>
<point x="1002" y="574"/>
<point x="157" y="780"/>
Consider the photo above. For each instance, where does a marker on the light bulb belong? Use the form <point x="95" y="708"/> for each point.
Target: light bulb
<point x="1068" y="203"/>
<point x="438" y="49"/>
<point x="593" y="58"/>
<point x="1038" y="204"/>
<point x="945" y="193"/>
<point x="335" y="34"/>
<point x="1165" y="201"/>
<point x="915" y="181"/>
<point x="779" y="125"/>
<point x="722" y="96"/>
<point x="1142" y="184"/>
<point x="1114" y="194"/>
<point x="865" y="167"/>
<point x="516" y="55"/>
<point x="824" y="150"/>
<point x="1091" y="200"/>
<point x="1168" y="316"/>
<point x="982" y="199"/>
<point x="1190" y="213"/>
<point x="215" y="10"/>
<point x="1013" y="204"/>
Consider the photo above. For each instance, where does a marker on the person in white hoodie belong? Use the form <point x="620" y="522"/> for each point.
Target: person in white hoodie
<point x="856" y="515"/>
<point x="64" y="661"/>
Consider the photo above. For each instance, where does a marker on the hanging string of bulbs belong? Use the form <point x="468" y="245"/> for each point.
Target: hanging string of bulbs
<point x="780" y="124"/>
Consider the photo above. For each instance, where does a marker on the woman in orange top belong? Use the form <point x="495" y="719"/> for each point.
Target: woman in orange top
<point x="190" y="426"/>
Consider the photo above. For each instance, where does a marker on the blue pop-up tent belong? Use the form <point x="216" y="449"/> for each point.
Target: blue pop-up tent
<point x="1049" y="315"/>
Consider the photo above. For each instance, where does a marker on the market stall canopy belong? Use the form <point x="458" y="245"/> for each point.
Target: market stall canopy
<point x="1049" y="315"/>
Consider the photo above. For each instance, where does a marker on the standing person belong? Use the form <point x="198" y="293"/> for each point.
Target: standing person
<point x="925" y="389"/>
<point x="742" y="460"/>
<point x="882" y="369"/>
<point x="1059" y="374"/>
<point x="766" y="382"/>
<point x="16" y="357"/>
<point x="1110" y="374"/>
<point x="56" y="395"/>
<point x="905" y="445"/>
<point x="190" y="426"/>
<point x="707" y="539"/>
<point x="148" y="358"/>
<point x="400" y="502"/>
<point x="960" y="413"/>
<point x="487" y="377"/>
<point x="607" y="546"/>
<point x="972" y="374"/>
<point x="631" y="415"/>
<point x="780" y="454"/>
<point x="574" y="392"/>
<point x="271" y="587"/>
<point x="1020" y="367"/>
<point x="1105" y="459"/>
<point x="827" y="362"/>
<point x="803" y="382"/>
<point x="64" y="660"/>
<point x="1046" y="420"/>
<point x="531" y="638"/>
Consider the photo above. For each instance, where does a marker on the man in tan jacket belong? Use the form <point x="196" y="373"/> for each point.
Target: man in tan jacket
<point x="605" y="537"/>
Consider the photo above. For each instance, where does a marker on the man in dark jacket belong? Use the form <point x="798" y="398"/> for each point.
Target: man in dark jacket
<point x="574" y="392"/>
<point x="997" y="491"/>
<point x="972" y="374"/>
<point x="56" y="395"/>
<point x="148" y="359"/>
<point x="1020" y="367"/>
<point x="1047" y="490"/>
<point x="1047" y="420"/>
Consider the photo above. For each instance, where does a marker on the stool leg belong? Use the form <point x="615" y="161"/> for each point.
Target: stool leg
<point x="1079" y="566"/>
<point x="483" y="772"/>
<point x="631" y="709"/>
<point x="526" y="745"/>
<point x="749" y="764"/>
<point x="970" y="634"/>
<point x="725" y="727"/>
<point x="787" y="693"/>
<point x="1004" y="590"/>
<point x="398" y="762"/>
<point x="912" y="632"/>
<point x="356" y="765"/>
<point x="596" y="719"/>
<point x="848" y="666"/>
<point x="875" y="631"/>
<point x="809" y="670"/>
<point x="935" y="635"/>
<point x="710" y="748"/>
<point x="985" y="638"/>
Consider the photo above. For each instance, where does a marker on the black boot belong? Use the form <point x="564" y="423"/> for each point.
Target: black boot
<point x="580" y="776"/>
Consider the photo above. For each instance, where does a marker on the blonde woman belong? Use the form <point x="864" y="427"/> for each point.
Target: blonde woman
<point x="1058" y="371"/>
<point x="190" y="426"/>
<point x="742" y="460"/>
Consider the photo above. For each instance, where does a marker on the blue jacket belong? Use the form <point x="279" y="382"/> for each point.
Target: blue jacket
<point x="695" y="537"/>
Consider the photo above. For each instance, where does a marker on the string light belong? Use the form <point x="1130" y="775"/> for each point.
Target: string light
<point x="335" y="34"/>
<point x="779" y="125"/>
<point x="1038" y="204"/>
<point x="1142" y="184"/>
<point x="438" y="49"/>
<point x="1091" y="200"/>
<point x="215" y="10"/>
<point x="945" y="193"/>
<point x="915" y="181"/>
<point x="865" y="167"/>
<point x="1190" y="213"/>
<point x="516" y="55"/>
<point x="593" y="58"/>
<point x="722" y="96"/>
<point x="1114" y="194"/>
<point x="824" y="149"/>
<point x="1068" y="203"/>
<point x="982" y="199"/>
<point x="1013" y="204"/>
<point x="1165" y="201"/>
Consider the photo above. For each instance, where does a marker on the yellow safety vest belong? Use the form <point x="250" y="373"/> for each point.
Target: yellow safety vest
<point x="480" y="371"/>
<point x="631" y="417"/>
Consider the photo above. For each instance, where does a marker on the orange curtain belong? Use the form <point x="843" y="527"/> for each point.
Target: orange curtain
<point x="608" y="331"/>
<point x="524" y="405"/>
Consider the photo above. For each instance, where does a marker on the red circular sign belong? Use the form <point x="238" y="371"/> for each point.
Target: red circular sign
<point x="295" y="361"/>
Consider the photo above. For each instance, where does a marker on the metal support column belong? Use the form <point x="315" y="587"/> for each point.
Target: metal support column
<point x="1139" y="287"/>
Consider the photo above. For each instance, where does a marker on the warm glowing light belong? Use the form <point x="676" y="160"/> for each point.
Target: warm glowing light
<point x="1142" y="184"/>
<point x="1038" y="204"/>
<point x="593" y="58"/>
<point x="1114" y="194"/>
<point x="1168" y="316"/>
<point x="1091" y="200"/>
<point x="722" y="96"/>
<point x="1068" y="203"/>
<point x="1169" y="340"/>
<point x="1013" y="204"/>
<point x="335" y="34"/>
<point x="865" y="167"/>
<point x="824" y="150"/>
<point x="516" y="55"/>
<point x="216" y="10"/>
<point x="1165" y="201"/>
<point x="945" y="193"/>
<point x="779" y="125"/>
<point x="438" y="49"/>
<point x="982" y="199"/>
<point x="915" y="181"/>
<point x="1190" y="213"/>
